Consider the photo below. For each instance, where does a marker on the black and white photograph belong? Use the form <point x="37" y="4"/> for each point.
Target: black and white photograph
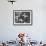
<point x="22" y="17"/>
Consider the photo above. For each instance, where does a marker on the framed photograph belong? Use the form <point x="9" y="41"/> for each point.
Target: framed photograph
<point x="22" y="17"/>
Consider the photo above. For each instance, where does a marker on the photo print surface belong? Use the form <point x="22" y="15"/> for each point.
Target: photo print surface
<point x="22" y="16"/>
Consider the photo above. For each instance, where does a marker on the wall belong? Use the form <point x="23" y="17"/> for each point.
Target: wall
<point x="38" y="29"/>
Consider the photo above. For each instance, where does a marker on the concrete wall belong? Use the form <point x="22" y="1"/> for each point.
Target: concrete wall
<point x="38" y="29"/>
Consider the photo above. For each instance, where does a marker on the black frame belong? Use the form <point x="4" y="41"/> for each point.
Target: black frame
<point x="23" y="11"/>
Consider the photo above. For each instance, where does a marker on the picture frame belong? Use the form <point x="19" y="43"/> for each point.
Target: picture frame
<point x="22" y="17"/>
